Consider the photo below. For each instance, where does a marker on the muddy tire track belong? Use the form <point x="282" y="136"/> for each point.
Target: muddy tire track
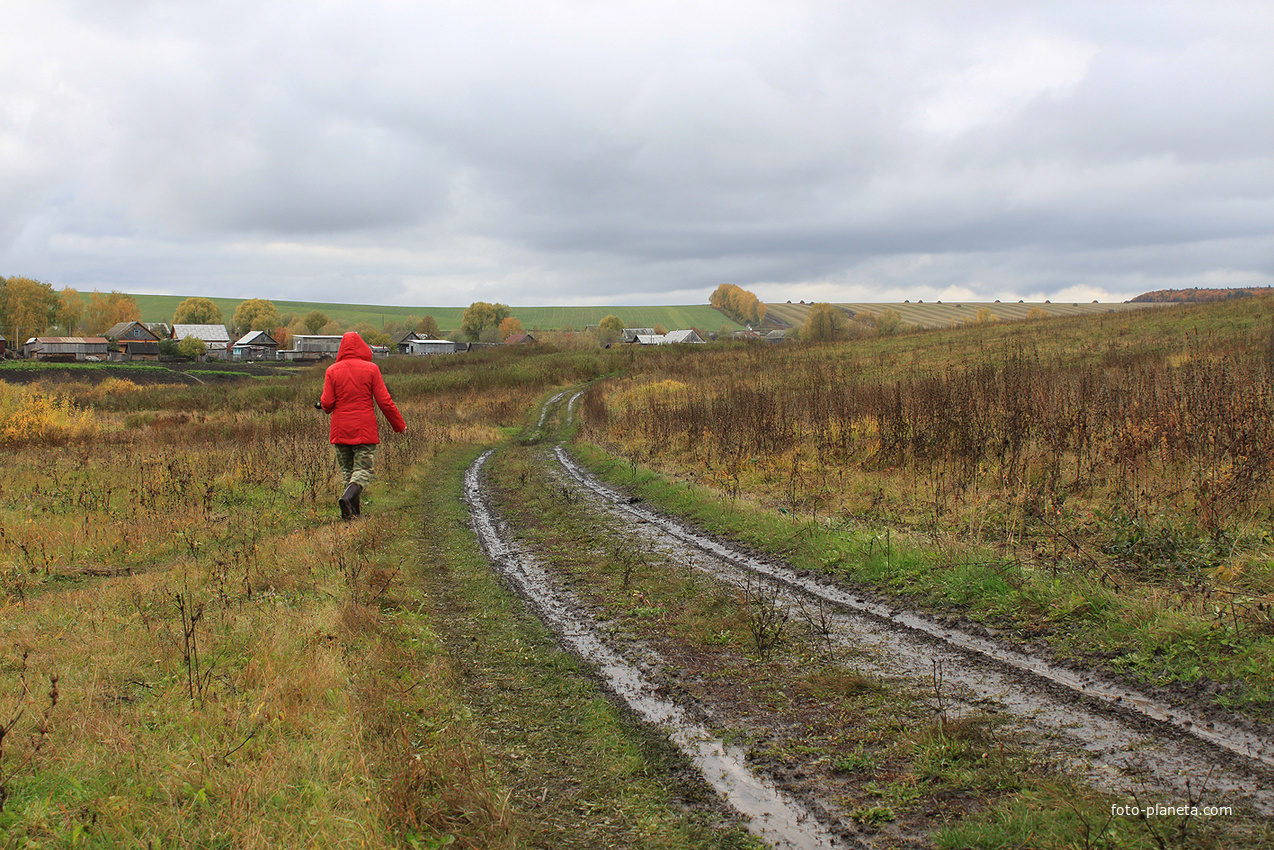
<point x="770" y="813"/>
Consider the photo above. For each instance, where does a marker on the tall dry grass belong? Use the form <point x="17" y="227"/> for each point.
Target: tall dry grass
<point x="230" y="674"/>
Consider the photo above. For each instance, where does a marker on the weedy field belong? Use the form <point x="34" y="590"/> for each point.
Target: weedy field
<point x="195" y="653"/>
<point x="1102" y="483"/>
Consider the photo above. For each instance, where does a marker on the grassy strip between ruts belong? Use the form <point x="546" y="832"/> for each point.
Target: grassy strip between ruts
<point x="576" y="771"/>
<point x="1132" y="630"/>
<point x="868" y="747"/>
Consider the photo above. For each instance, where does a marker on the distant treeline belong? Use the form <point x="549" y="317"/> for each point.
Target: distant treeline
<point x="1169" y="296"/>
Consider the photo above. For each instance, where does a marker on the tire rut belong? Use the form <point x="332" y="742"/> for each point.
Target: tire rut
<point x="770" y="813"/>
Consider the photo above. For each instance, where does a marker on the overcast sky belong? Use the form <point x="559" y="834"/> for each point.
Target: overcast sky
<point x="544" y="152"/>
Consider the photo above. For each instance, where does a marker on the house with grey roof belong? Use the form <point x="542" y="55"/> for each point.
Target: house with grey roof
<point x="216" y="338"/>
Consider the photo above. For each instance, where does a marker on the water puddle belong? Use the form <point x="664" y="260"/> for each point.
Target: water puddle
<point x="771" y="814"/>
<point x="1127" y="741"/>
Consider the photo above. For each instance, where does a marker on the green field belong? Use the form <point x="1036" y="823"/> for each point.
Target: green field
<point x="159" y="308"/>
<point x="942" y="315"/>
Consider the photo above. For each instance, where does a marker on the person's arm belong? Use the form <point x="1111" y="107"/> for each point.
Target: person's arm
<point x="327" y="401"/>
<point x="386" y="404"/>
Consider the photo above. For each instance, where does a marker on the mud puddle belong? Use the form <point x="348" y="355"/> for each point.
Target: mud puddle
<point x="1124" y="741"/>
<point x="770" y="813"/>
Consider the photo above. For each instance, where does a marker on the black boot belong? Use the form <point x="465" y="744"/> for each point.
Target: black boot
<point x="349" y="501"/>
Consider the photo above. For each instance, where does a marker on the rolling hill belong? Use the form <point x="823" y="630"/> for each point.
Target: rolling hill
<point x="159" y="308"/>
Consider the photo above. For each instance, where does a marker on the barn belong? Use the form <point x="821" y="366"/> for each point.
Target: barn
<point x="66" y="348"/>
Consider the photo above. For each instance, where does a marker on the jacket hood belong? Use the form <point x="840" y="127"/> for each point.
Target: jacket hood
<point x="353" y="347"/>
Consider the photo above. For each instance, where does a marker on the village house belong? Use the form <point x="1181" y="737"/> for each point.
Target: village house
<point x="134" y="341"/>
<point x="520" y="339"/>
<point x="402" y="345"/>
<point x="687" y="336"/>
<point x="255" y="345"/>
<point x="216" y="338"/>
<point x="630" y="335"/>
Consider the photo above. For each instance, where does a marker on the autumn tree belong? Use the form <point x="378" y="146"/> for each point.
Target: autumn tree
<point x="314" y="321"/>
<point x="511" y="326"/>
<point x="609" y="328"/>
<point x="888" y="322"/>
<point x="428" y="327"/>
<point x="255" y="314"/>
<point x="27" y="307"/>
<point x="197" y="311"/>
<point x="480" y="316"/>
<point x="824" y="323"/>
<point x="192" y="347"/>
<point x="739" y="304"/>
<point x="70" y="310"/>
<point x="105" y="311"/>
<point x="370" y="335"/>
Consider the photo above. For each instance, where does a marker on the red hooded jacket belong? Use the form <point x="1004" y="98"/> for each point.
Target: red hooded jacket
<point x="350" y="387"/>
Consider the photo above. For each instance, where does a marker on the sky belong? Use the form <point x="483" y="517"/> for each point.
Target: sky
<point x="588" y="152"/>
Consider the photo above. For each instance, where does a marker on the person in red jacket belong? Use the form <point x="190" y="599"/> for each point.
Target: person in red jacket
<point x="352" y="390"/>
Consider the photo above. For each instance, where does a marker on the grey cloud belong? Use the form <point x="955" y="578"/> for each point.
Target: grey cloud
<point x="518" y="151"/>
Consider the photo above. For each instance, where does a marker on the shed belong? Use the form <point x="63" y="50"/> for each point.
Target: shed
<point x="256" y="345"/>
<point x="316" y="345"/>
<point x="139" y="349"/>
<point x="66" y="348"/>
<point x="682" y="336"/>
<point x="431" y="346"/>
<point x="520" y="339"/>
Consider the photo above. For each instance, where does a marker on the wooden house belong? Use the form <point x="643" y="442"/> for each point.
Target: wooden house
<point x="255" y="345"/>
<point x="520" y="339"/>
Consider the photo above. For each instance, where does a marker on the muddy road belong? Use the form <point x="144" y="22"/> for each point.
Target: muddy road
<point x="1129" y="744"/>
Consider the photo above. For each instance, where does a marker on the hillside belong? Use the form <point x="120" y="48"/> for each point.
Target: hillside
<point x="159" y="308"/>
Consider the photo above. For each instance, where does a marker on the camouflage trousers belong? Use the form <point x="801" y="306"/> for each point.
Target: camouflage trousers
<point x="357" y="463"/>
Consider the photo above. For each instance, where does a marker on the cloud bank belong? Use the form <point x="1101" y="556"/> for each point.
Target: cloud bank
<point x="588" y="152"/>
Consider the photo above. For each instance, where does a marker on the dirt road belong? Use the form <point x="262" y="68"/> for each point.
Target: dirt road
<point x="1129" y="744"/>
